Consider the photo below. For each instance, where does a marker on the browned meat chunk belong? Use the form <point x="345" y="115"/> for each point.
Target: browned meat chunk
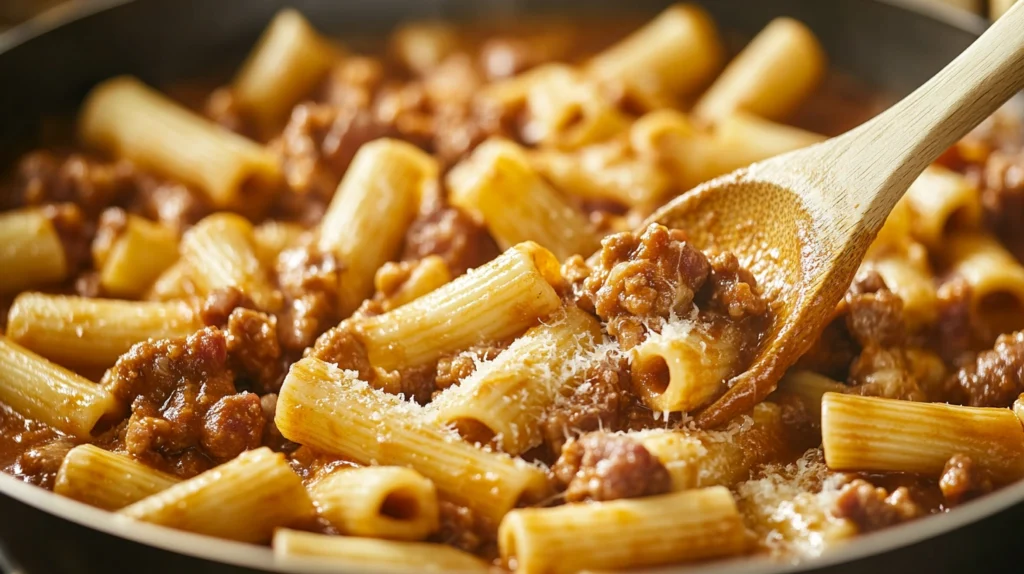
<point x="232" y="425"/>
<point x="463" y="528"/>
<point x="595" y="404"/>
<point x="309" y="280"/>
<point x="872" y="508"/>
<point x="874" y="313"/>
<point x="222" y="107"/>
<point x="185" y="413"/>
<point x="962" y="480"/>
<point x="86" y="182"/>
<point x="733" y="289"/>
<point x="996" y="377"/>
<point x="955" y="325"/>
<point x="318" y="144"/>
<point x="447" y="231"/>
<point x="881" y="372"/>
<point x="343" y="347"/>
<point x="643" y="277"/>
<point x="219" y="305"/>
<point x="1002" y="192"/>
<point x="253" y="350"/>
<point x="602" y="466"/>
<point x="171" y="203"/>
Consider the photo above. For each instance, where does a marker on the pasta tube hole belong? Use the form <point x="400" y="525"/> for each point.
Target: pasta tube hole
<point x="653" y="374"/>
<point x="401" y="504"/>
<point x="961" y="218"/>
<point x="473" y="430"/>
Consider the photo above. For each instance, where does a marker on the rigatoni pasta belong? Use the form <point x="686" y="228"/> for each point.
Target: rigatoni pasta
<point x="886" y="435"/>
<point x="287" y="62"/>
<point x="135" y="257"/>
<point x="389" y="502"/>
<point x="331" y="410"/>
<point x="297" y="548"/>
<point x="674" y="55"/>
<point x="498" y="183"/>
<point x="244" y="499"/>
<point x="220" y="254"/>
<point x="684" y="526"/>
<point x="404" y="311"/>
<point x="31" y="253"/>
<point x="498" y="300"/>
<point x="770" y="78"/>
<point x="685" y="365"/>
<point x="43" y="391"/>
<point x="378" y="198"/>
<point x="121" y="116"/>
<point x="699" y="459"/>
<point x="87" y="332"/>
<point x="106" y="479"/>
<point x="501" y="400"/>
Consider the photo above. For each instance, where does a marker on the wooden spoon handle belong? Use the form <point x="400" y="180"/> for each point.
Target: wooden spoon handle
<point x="879" y="160"/>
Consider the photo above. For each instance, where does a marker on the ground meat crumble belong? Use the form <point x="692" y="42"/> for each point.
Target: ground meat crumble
<point x="996" y="377"/>
<point x="603" y="466"/>
<point x="186" y="413"/>
<point x="962" y="480"/>
<point x="872" y="508"/>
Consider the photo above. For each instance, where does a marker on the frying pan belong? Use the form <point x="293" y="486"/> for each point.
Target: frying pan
<point x="47" y="65"/>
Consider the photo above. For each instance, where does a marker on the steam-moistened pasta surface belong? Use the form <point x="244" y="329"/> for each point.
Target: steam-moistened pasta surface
<point x="403" y="309"/>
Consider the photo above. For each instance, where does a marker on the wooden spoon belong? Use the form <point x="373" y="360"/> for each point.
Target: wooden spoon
<point x="802" y="221"/>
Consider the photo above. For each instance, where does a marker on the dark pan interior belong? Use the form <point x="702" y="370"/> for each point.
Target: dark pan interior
<point x="43" y="71"/>
<point x="888" y="45"/>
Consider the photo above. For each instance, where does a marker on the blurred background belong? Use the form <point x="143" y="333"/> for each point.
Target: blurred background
<point x="14" y="11"/>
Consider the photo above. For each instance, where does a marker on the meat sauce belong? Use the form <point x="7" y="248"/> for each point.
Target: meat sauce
<point x="194" y="402"/>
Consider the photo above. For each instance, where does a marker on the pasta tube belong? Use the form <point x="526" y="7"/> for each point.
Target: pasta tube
<point x="123" y="117"/>
<point x="31" y="253"/>
<point x="942" y="200"/>
<point x="87" y="332"/>
<point x="809" y="387"/>
<point x="608" y="172"/>
<point x="244" y="499"/>
<point x="328" y="409"/>
<point x="498" y="184"/>
<point x="874" y="434"/>
<point x="911" y="278"/>
<point x="994" y="275"/>
<point x="140" y="252"/>
<point x="294" y="549"/>
<point x="107" y="480"/>
<point x="699" y="459"/>
<point x="675" y="54"/>
<point x="174" y="283"/>
<point x="38" y="389"/>
<point x="684" y="366"/>
<point x="272" y="237"/>
<point x="502" y="398"/>
<point x="566" y="111"/>
<point x="286" y="64"/>
<point x="771" y="77"/>
<point x="378" y="199"/>
<point x="390" y="502"/>
<point x="219" y="252"/>
<point x="495" y="301"/>
<point x="678" y="527"/>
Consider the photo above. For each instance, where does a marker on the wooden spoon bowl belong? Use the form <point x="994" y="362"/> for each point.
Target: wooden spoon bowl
<point x="802" y="222"/>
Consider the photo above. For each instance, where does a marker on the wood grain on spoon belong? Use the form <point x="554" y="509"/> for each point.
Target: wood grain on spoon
<point x="801" y="222"/>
